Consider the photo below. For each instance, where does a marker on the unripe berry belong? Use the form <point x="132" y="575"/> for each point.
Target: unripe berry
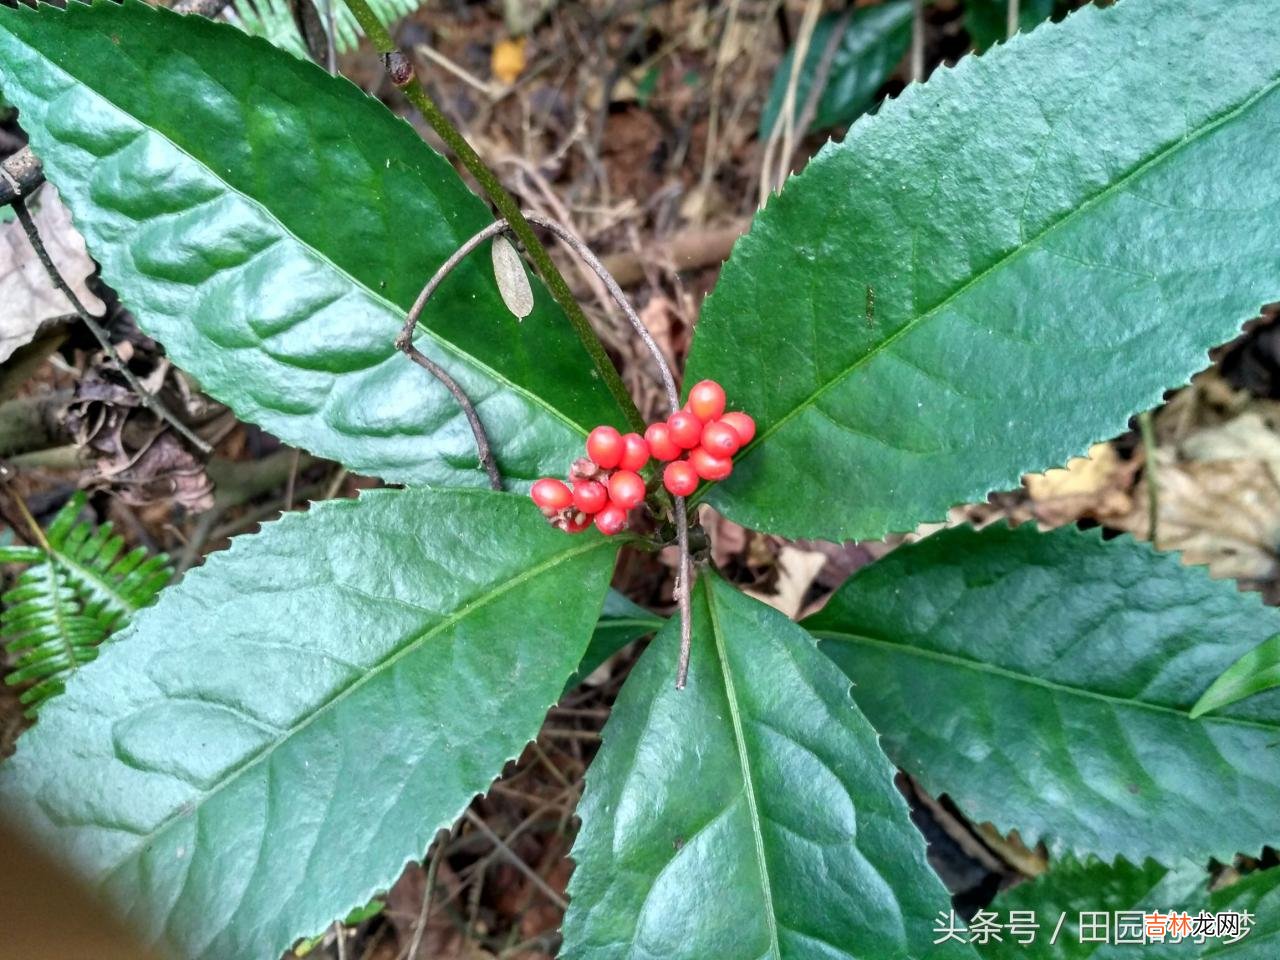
<point x="612" y="519"/>
<point x="720" y="439"/>
<point x="550" y="494"/>
<point x="708" y="466"/>
<point x="680" y="478"/>
<point x="626" y="489"/>
<point x="661" y="445"/>
<point x="743" y="424"/>
<point x="685" y="429"/>
<point x="635" y="452"/>
<point x="589" y="496"/>
<point x="604" y="447"/>
<point x="706" y="400"/>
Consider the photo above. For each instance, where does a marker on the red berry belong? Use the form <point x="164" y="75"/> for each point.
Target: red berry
<point x="708" y="466"/>
<point x="635" y="452"/>
<point x="706" y="400"/>
<point x="680" y="478"/>
<point x="577" y="523"/>
<point x="612" y="519"/>
<point x="550" y="494"/>
<point x="604" y="447"/>
<point x="720" y="439"/>
<point x="626" y="489"/>
<point x="742" y="423"/>
<point x="589" y="496"/>
<point x="685" y="429"/>
<point x="660" y="443"/>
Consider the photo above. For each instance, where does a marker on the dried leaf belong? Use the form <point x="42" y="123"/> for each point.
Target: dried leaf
<point x="1224" y="513"/>
<point x="312" y="29"/>
<point x="513" y="282"/>
<point x="1094" y="486"/>
<point x="797" y="570"/>
<point x="508" y="60"/>
<point x="1218" y="496"/>
<point x="135" y="455"/>
<point x="27" y="296"/>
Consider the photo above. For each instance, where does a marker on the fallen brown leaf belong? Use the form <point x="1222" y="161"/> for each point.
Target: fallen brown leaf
<point x="28" y="297"/>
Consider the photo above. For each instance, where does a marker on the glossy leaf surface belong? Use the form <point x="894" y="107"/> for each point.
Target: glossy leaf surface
<point x="1070" y="888"/>
<point x="1000" y="267"/>
<point x="621" y="622"/>
<point x="1256" y="671"/>
<point x="870" y="45"/>
<point x="265" y="748"/>
<point x="750" y="815"/>
<point x="1045" y="682"/>
<point x="1096" y="889"/>
<point x="1257" y="894"/>
<point x="270" y="224"/>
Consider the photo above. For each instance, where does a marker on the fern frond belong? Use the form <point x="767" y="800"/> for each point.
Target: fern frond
<point x="75" y="592"/>
<point x="273" y="20"/>
<point x="92" y="557"/>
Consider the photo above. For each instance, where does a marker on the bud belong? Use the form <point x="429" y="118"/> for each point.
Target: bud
<point x="399" y="67"/>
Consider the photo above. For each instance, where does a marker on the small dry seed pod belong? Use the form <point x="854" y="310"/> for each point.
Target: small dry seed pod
<point x="513" y="282"/>
<point x="585" y="469"/>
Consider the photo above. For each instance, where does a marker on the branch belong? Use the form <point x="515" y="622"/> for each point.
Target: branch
<point x="404" y="341"/>
<point x="401" y="72"/>
<point x="20" y="174"/>
<point x="1011" y="25"/>
<point x="149" y="400"/>
<point x="917" y="41"/>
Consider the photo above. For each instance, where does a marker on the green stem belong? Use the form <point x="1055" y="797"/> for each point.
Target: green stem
<point x="401" y="70"/>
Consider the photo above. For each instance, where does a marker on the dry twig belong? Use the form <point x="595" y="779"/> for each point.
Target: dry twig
<point x="149" y="400"/>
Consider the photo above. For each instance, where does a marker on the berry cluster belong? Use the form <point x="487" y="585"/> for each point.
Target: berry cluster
<point x="606" y="484"/>
<point x="702" y="432"/>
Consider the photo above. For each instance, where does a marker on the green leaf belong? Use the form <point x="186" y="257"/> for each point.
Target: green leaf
<point x="1258" y="894"/>
<point x="271" y="224"/>
<point x="76" y="591"/>
<point x="869" y="47"/>
<point x="264" y="749"/>
<point x="1071" y="888"/>
<point x="620" y="623"/>
<point x="988" y="20"/>
<point x="1095" y="888"/>
<point x="1256" y="671"/>
<point x="1044" y="681"/>
<point x="750" y="814"/>
<point x="999" y="267"/>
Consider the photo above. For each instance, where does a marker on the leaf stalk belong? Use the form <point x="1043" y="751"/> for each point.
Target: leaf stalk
<point x="404" y="342"/>
<point x="401" y="71"/>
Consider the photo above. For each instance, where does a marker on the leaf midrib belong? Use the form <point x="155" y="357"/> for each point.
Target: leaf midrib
<point x="1017" y="251"/>
<point x="85" y="573"/>
<point x="395" y="309"/>
<point x="981" y="666"/>
<point x="376" y="670"/>
<point x="753" y="808"/>
<point x="64" y="634"/>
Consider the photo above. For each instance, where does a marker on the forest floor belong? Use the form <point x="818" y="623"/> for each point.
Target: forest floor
<point x="636" y="124"/>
